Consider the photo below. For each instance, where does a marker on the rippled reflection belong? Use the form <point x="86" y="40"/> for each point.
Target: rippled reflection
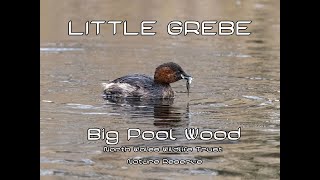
<point x="164" y="114"/>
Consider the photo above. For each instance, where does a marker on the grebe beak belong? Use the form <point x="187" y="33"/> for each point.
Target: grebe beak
<point x="187" y="77"/>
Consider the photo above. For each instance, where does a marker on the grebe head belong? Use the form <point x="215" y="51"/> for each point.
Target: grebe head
<point x="169" y="73"/>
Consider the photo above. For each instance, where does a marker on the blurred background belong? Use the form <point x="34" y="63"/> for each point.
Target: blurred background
<point x="236" y="84"/>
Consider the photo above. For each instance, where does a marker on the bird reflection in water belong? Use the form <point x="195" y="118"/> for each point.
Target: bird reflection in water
<point x="164" y="114"/>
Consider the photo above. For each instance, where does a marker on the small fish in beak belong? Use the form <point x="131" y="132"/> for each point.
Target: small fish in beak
<point x="189" y="80"/>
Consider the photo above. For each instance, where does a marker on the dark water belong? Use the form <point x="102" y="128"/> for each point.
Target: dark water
<point x="236" y="84"/>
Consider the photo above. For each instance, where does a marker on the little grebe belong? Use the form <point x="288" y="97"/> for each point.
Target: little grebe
<point x="142" y="86"/>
